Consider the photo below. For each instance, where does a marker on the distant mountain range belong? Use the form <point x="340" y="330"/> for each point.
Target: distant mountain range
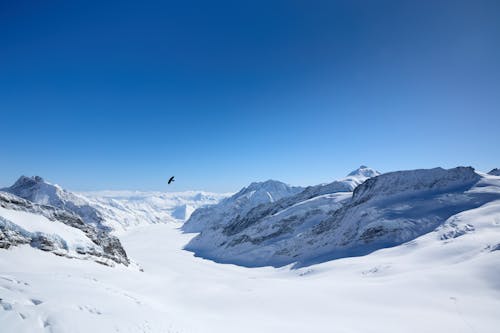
<point x="419" y="243"/>
<point x="84" y="225"/>
<point x="265" y="223"/>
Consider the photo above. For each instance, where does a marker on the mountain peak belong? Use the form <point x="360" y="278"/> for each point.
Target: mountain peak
<point x="266" y="184"/>
<point x="25" y="181"/>
<point x="37" y="190"/>
<point x="494" y="172"/>
<point x="364" y="171"/>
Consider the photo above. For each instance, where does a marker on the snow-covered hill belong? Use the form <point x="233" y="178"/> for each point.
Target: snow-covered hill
<point x="55" y="230"/>
<point x="494" y="172"/>
<point x="434" y="283"/>
<point x="441" y="273"/>
<point x="37" y="190"/>
<point x="50" y="218"/>
<point x="114" y="210"/>
<point x="323" y="222"/>
<point x="239" y="204"/>
<point x="125" y="209"/>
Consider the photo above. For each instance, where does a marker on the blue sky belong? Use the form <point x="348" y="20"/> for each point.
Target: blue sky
<point x="122" y="95"/>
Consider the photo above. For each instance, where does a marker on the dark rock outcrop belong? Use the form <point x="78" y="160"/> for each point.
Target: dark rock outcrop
<point x="106" y="246"/>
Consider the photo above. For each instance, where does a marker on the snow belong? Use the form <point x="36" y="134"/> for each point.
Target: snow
<point x="239" y="204"/>
<point x="428" y="285"/>
<point x="444" y="280"/>
<point x="384" y="211"/>
<point x="37" y="223"/>
<point x="115" y="210"/>
<point x="273" y="232"/>
<point x="122" y="210"/>
<point x="364" y="172"/>
<point x="494" y="172"/>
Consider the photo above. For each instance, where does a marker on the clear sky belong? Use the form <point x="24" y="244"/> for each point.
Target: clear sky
<point x="124" y="94"/>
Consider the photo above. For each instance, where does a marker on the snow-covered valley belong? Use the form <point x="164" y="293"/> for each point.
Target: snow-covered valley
<point x="441" y="279"/>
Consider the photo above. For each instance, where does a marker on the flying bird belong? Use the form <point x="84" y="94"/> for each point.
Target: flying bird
<point x="171" y="180"/>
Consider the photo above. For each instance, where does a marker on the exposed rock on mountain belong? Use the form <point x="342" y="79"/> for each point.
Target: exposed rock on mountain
<point x="56" y="230"/>
<point x="239" y="204"/>
<point x="123" y="210"/>
<point x="494" y="172"/>
<point x="114" y="210"/>
<point x="322" y="223"/>
<point x="37" y="190"/>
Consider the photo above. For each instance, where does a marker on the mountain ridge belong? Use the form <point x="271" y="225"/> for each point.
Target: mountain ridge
<point x="383" y="211"/>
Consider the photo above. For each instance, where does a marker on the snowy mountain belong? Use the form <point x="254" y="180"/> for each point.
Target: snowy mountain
<point x="55" y="230"/>
<point x="438" y="282"/>
<point x="126" y="209"/>
<point x="114" y="210"/>
<point x="239" y="204"/>
<point x="49" y="218"/>
<point x="316" y="225"/>
<point x="443" y="279"/>
<point x="37" y="190"/>
<point x="494" y="172"/>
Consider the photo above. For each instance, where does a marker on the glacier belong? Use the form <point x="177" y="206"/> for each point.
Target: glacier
<point x="405" y="251"/>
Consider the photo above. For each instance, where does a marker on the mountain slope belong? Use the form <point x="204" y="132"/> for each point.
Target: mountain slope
<point x="384" y="211"/>
<point x="445" y="280"/>
<point x="433" y="284"/>
<point x="55" y="230"/>
<point x="239" y="204"/>
<point x="127" y="209"/>
<point x="322" y="191"/>
<point x="494" y="172"/>
<point x="114" y="210"/>
<point x="37" y="190"/>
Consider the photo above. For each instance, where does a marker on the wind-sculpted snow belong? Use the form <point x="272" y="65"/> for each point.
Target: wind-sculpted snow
<point x="239" y="204"/>
<point x="52" y="229"/>
<point x="384" y="211"/>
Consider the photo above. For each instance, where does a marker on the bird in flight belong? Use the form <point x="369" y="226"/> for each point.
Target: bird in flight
<point x="171" y="180"/>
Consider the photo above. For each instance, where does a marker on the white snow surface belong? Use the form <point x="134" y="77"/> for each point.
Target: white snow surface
<point x="267" y="194"/>
<point x="115" y="210"/>
<point x="494" y="172"/>
<point x="445" y="280"/>
<point x="35" y="223"/>
<point x="386" y="210"/>
<point x="274" y="232"/>
<point x="126" y="209"/>
<point x="427" y="285"/>
<point x="255" y="194"/>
